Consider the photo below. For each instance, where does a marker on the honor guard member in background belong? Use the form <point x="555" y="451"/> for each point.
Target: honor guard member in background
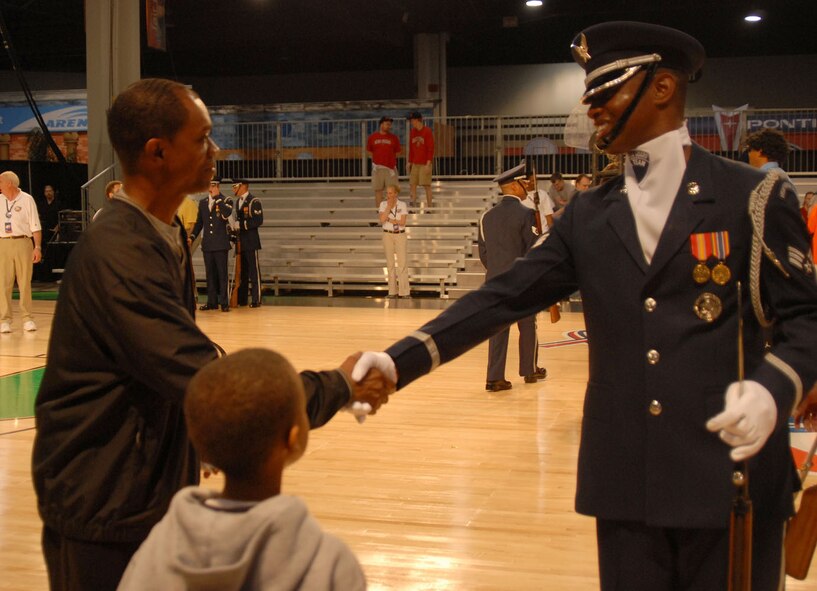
<point x="656" y="253"/>
<point x="212" y="225"/>
<point x="249" y="215"/>
<point x="506" y="232"/>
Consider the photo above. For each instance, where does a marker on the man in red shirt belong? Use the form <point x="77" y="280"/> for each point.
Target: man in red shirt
<point x="383" y="148"/>
<point x="421" y="154"/>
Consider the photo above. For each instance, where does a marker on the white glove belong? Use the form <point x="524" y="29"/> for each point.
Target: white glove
<point x="377" y="360"/>
<point x="748" y="418"/>
<point x="359" y="410"/>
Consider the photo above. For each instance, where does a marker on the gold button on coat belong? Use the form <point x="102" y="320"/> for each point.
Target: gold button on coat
<point x="650" y="304"/>
<point x="655" y="408"/>
<point x="653" y="356"/>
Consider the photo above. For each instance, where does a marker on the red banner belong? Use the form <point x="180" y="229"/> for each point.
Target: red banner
<point x="155" y="24"/>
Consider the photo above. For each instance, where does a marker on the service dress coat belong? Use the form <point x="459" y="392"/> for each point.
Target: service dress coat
<point x="658" y="371"/>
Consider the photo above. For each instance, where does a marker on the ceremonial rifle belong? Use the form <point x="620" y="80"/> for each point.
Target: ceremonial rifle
<point x="740" y="520"/>
<point x="801" y="532"/>
<point x="236" y="272"/>
<point x="555" y="314"/>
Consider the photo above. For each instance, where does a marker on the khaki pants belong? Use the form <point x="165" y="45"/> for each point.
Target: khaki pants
<point x="395" y="244"/>
<point x="15" y="261"/>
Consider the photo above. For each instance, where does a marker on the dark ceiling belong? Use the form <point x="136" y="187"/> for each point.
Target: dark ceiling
<point x="235" y="37"/>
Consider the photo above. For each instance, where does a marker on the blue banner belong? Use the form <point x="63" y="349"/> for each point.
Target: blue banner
<point x="59" y="116"/>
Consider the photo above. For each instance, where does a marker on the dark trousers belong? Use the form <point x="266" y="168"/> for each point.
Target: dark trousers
<point x="215" y="265"/>
<point x="498" y="350"/>
<point x="75" y="565"/>
<point x="635" y="557"/>
<point x="250" y="278"/>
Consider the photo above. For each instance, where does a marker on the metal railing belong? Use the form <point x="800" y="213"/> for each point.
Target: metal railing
<point x="97" y="182"/>
<point x="472" y="147"/>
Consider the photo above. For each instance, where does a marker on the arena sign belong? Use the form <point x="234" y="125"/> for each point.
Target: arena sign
<point x="58" y="116"/>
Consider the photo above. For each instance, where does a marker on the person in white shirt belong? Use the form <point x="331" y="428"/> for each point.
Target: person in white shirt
<point x="393" y="214"/>
<point x="20" y="248"/>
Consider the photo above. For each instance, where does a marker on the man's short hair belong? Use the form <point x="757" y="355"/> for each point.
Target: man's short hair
<point x="149" y="108"/>
<point x="771" y="142"/>
<point x="556" y="176"/>
<point x="239" y="406"/>
<point x="581" y="176"/>
<point x="11" y="177"/>
<point x="395" y="187"/>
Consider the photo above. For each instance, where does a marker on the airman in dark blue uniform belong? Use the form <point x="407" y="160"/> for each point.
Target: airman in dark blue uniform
<point x="249" y="216"/>
<point x="213" y="224"/>
<point x="506" y="232"/>
<point x="657" y="254"/>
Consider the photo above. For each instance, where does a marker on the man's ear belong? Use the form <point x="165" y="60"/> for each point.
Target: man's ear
<point x="154" y="148"/>
<point x="665" y="87"/>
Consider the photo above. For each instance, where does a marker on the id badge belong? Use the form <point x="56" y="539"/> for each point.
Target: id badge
<point x="396" y="227"/>
<point x="8" y="227"/>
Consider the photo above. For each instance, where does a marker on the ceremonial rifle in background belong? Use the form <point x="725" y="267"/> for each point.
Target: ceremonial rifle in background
<point x="740" y="520"/>
<point x="555" y="314"/>
<point x="236" y="271"/>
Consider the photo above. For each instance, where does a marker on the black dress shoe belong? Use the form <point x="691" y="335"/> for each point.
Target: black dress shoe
<point x="540" y="374"/>
<point x="206" y="307"/>
<point x="225" y="308"/>
<point x="497" y="385"/>
<point x="255" y="304"/>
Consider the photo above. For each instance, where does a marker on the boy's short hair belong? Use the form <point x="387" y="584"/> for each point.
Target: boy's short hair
<point x="239" y="406"/>
<point x="395" y="187"/>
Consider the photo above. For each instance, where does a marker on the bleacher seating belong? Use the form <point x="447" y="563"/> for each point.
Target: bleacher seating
<point x="326" y="236"/>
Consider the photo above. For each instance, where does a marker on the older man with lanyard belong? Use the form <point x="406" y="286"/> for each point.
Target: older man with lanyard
<point x="20" y="248"/>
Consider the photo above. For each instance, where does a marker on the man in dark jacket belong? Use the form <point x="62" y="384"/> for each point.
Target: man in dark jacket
<point x="249" y="216"/>
<point x="212" y="224"/>
<point x="657" y="253"/>
<point x="111" y="447"/>
<point x="506" y="232"/>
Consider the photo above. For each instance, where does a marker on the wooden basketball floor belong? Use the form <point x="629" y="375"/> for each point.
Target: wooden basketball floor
<point x="447" y="488"/>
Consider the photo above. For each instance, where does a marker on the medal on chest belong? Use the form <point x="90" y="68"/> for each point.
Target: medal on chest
<point x="705" y="245"/>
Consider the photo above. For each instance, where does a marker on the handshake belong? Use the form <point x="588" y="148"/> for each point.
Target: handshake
<point x="373" y="378"/>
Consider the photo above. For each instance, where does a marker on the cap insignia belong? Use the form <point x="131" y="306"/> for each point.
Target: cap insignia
<point x="580" y="51"/>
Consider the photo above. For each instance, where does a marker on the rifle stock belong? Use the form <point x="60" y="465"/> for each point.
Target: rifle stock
<point x="801" y="536"/>
<point x="236" y="275"/>
<point x="801" y="531"/>
<point x="740" y="544"/>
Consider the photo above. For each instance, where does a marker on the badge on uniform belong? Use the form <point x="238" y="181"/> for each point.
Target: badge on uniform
<point x="708" y="307"/>
<point x="705" y="245"/>
<point x="8" y="228"/>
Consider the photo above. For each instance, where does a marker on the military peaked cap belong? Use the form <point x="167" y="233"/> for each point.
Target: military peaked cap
<point x="611" y="53"/>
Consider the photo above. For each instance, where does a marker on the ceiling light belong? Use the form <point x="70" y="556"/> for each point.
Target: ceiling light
<point x="534" y="3"/>
<point x="753" y="18"/>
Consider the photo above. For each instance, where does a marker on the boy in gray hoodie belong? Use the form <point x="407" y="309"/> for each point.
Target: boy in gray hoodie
<point x="245" y="413"/>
